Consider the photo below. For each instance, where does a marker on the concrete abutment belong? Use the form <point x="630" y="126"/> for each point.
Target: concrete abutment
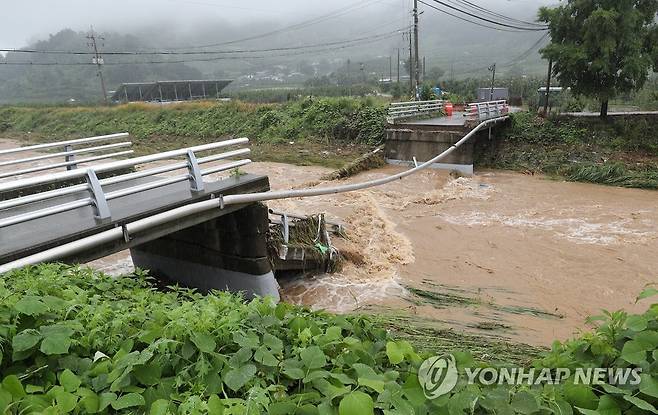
<point x="226" y="253"/>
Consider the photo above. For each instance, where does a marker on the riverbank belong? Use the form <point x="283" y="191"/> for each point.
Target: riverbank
<point x="622" y="151"/>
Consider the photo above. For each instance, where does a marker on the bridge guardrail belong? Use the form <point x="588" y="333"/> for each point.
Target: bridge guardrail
<point x="98" y="198"/>
<point x="402" y="110"/>
<point x="482" y="111"/>
<point x="71" y="149"/>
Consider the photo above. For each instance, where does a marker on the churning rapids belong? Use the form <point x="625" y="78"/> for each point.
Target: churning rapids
<point x="532" y="256"/>
<point x="528" y="255"/>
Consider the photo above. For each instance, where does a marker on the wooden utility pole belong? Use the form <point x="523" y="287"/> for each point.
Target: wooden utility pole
<point x="492" y="68"/>
<point x="411" y="65"/>
<point x="390" y="69"/>
<point x="416" y="82"/>
<point x="424" y="70"/>
<point x="349" y="77"/>
<point x="98" y="60"/>
<point x="398" y="66"/>
<point x="548" y="85"/>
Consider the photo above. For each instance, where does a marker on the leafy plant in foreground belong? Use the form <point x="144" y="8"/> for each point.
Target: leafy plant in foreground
<point x="77" y="341"/>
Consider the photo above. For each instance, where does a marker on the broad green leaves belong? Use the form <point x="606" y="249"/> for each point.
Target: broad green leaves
<point x="356" y="403"/>
<point x="69" y="381"/>
<point x="31" y="306"/>
<point x="25" y="340"/>
<point x="313" y="357"/>
<point x="204" y="342"/>
<point x="237" y="378"/>
<point x="90" y="344"/>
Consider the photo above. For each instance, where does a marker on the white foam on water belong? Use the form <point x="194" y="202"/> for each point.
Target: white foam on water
<point x="339" y="293"/>
<point x="115" y="265"/>
<point x="577" y="230"/>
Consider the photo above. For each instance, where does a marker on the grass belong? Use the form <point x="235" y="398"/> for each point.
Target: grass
<point x="617" y="152"/>
<point x="444" y="297"/>
<point x="326" y="131"/>
<point x="427" y="336"/>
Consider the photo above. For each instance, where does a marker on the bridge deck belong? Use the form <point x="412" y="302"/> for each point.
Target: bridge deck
<point x="20" y="240"/>
<point x="456" y="120"/>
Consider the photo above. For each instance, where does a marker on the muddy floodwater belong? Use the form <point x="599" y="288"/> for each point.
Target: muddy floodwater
<point x="525" y="257"/>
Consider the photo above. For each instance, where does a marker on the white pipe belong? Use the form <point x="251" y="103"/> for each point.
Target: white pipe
<point x="64" y="143"/>
<point x="122" y="164"/>
<point x="80" y="245"/>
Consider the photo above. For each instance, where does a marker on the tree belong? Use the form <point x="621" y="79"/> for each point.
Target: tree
<point x="601" y="48"/>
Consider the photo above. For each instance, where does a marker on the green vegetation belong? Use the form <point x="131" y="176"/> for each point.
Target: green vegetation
<point x="78" y="341"/>
<point x="602" y="48"/>
<point x="440" y="296"/>
<point x="286" y="94"/>
<point x="620" y="152"/>
<point x="345" y="119"/>
<point x="329" y="121"/>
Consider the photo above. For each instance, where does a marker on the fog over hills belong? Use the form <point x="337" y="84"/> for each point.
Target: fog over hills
<point x="460" y="48"/>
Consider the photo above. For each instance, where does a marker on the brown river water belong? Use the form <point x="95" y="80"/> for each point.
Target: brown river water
<point x="528" y="255"/>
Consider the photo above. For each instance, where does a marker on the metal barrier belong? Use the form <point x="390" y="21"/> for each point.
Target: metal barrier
<point x="69" y="154"/>
<point x="482" y="111"/>
<point x="98" y="198"/>
<point x="401" y="110"/>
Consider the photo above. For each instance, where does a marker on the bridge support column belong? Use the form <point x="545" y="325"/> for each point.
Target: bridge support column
<point x="226" y="253"/>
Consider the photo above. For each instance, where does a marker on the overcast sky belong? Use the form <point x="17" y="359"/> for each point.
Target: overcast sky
<point x="26" y="21"/>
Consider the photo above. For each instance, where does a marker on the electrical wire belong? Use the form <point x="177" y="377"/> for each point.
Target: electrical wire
<point x="467" y="3"/>
<point x="301" y="25"/>
<point x="217" y="58"/>
<point x="528" y="29"/>
<point x="467" y="20"/>
<point x="206" y="52"/>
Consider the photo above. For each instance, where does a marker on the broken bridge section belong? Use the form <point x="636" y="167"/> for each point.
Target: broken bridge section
<point x="418" y="134"/>
<point x="93" y="211"/>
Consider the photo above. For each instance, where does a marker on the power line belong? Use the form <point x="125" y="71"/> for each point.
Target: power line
<point x="467" y="20"/>
<point x="301" y="25"/>
<point x="217" y="58"/>
<point x="511" y="62"/>
<point x="489" y="20"/>
<point x="207" y="52"/>
<point x="467" y="3"/>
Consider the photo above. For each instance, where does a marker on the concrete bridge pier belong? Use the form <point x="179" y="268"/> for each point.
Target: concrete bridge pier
<point x="225" y="253"/>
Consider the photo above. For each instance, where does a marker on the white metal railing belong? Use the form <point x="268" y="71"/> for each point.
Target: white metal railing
<point x="482" y="111"/>
<point x="401" y="110"/>
<point x="98" y="198"/>
<point x="114" y="234"/>
<point x="70" y="149"/>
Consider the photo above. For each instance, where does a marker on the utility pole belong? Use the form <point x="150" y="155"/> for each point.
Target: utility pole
<point x="349" y="77"/>
<point x="548" y="85"/>
<point x="492" y="68"/>
<point x="411" y="65"/>
<point x="390" y="69"/>
<point x="416" y="62"/>
<point x="424" y="69"/>
<point x="98" y="59"/>
<point x="398" y="66"/>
